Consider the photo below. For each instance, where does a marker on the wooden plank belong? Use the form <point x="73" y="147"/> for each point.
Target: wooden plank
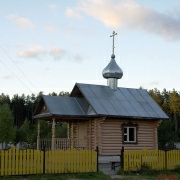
<point x="31" y="164"/>
<point x="13" y="160"/>
<point x="6" y="163"/>
<point x="81" y="161"/>
<point x="63" y="162"/>
<point x="9" y="161"/>
<point x="17" y="162"/>
<point x="74" y="160"/>
<point x="34" y="162"/>
<point x="71" y="159"/>
<point x="2" y="163"/>
<point x="42" y="160"/>
<point x="24" y="166"/>
<point x="20" y="162"/>
<point x="86" y="161"/>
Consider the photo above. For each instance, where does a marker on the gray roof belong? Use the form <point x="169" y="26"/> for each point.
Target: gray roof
<point x="59" y="105"/>
<point x="124" y="102"/>
<point x="96" y="100"/>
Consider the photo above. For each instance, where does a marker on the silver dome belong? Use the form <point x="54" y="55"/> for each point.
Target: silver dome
<point x="112" y="70"/>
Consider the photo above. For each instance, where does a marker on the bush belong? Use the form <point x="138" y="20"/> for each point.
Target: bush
<point x="177" y="168"/>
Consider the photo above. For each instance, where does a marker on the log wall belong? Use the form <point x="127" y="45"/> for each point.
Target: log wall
<point x="107" y="134"/>
<point x="112" y="136"/>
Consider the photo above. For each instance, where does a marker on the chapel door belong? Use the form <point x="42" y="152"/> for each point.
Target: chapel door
<point x="82" y="134"/>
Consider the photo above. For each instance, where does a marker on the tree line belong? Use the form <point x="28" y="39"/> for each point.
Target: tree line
<point x="16" y="119"/>
<point x="168" y="130"/>
<point x="17" y="124"/>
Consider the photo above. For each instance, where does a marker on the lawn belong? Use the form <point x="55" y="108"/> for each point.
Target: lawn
<point x="94" y="176"/>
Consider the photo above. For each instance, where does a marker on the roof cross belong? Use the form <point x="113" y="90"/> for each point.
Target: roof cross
<point x="113" y="34"/>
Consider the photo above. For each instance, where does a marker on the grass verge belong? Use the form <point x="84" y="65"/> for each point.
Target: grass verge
<point x="90" y="176"/>
<point x="146" y="173"/>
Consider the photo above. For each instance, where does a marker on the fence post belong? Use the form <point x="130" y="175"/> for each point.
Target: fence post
<point x="122" y="157"/>
<point x="44" y="162"/>
<point x="97" y="150"/>
<point x="165" y="157"/>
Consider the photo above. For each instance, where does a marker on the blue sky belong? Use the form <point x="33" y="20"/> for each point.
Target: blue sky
<point x="50" y="45"/>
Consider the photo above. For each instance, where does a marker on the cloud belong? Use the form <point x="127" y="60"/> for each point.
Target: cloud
<point x="62" y="54"/>
<point x="8" y="77"/>
<point x="20" y="22"/>
<point x="68" y="29"/>
<point x="73" y="13"/>
<point x="52" y="6"/>
<point x="32" y="52"/>
<point x="72" y="26"/>
<point x="77" y="57"/>
<point x="11" y="16"/>
<point x="23" y="23"/>
<point x="129" y="14"/>
<point x="49" y="27"/>
<point x="154" y="83"/>
<point x="57" y="53"/>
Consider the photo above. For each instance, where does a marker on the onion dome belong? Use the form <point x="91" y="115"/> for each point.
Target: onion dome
<point x="112" y="70"/>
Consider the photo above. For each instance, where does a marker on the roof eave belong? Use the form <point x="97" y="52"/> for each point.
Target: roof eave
<point x="49" y="115"/>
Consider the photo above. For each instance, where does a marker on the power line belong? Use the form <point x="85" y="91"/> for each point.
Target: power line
<point x="16" y="76"/>
<point x="17" y="67"/>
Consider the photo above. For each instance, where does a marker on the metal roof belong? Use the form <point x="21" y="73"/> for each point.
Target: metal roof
<point x="96" y="100"/>
<point x="59" y="105"/>
<point x="124" y="102"/>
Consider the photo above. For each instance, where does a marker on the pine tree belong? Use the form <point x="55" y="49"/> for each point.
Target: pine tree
<point x="7" y="129"/>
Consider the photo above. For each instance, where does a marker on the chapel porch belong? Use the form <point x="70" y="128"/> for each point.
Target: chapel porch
<point x="64" y="143"/>
<point x="78" y="142"/>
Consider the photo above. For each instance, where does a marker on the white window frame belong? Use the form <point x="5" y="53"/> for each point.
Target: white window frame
<point x="127" y="134"/>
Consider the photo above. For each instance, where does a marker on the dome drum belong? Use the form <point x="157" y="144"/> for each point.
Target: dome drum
<point x="112" y="83"/>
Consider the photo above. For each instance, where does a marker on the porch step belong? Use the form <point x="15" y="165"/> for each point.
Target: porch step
<point x="106" y="169"/>
<point x="108" y="159"/>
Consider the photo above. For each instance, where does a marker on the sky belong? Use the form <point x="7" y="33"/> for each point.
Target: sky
<point x="49" y="45"/>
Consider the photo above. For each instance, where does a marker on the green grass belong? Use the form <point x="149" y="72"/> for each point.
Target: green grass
<point x="144" y="174"/>
<point x="90" y="176"/>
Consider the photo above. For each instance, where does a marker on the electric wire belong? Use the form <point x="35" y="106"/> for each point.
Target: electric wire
<point x="17" y="67"/>
<point x="15" y="75"/>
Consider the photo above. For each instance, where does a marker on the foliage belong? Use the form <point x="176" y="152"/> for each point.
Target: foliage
<point x="61" y="131"/>
<point x="168" y="130"/>
<point x="91" y="176"/>
<point x="167" y="140"/>
<point x="145" y="169"/>
<point x="24" y="132"/>
<point x="174" y="102"/>
<point x="4" y="99"/>
<point x="7" y="130"/>
<point x="167" y="135"/>
<point x="45" y="131"/>
<point x="177" y="168"/>
<point x="120" y="171"/>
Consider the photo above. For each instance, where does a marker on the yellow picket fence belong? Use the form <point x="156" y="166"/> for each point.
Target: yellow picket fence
<point x="173" y="158"/>
<point x="155" y="159"/>
<point x="71" y="160"/>
<point x="134" y="159"/>
<point x="15" y="162"/>
<point x="20" y="162"/>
